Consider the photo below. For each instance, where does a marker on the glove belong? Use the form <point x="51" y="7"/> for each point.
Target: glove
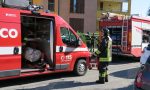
<point x="93" y="56"/>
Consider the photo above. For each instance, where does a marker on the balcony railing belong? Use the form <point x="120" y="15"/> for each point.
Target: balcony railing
<point x="116" y="0"/>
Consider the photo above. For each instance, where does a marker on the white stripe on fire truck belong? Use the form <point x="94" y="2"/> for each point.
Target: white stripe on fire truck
<point x="69" y="49"/>
<point x="8" y="50"/>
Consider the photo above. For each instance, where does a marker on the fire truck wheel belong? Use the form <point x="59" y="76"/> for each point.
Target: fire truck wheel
<point x="80" y="68"/>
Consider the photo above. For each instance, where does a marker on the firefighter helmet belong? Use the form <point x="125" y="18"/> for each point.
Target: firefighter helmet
<point x="106" y="31"/>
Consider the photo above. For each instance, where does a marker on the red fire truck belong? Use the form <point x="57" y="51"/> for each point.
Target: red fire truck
<point x="34" y="43"/>
<point x="129" y="34"/>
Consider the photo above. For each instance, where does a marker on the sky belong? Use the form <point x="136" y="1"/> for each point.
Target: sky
<point x="140" y="7"/>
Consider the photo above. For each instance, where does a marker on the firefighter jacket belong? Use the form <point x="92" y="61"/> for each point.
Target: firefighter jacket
<point x="104" y="51"/>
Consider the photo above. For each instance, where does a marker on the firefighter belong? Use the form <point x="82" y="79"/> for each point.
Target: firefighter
<point x="92" y="42"/>
<point x="104" y="55"/>
<point x="88" y="40"/>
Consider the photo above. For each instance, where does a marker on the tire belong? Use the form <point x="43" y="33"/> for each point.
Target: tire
<point x="80" y="68"/>
<point x="135" y="88"/>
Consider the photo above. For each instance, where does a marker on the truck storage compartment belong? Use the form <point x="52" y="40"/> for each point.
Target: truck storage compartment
<point x="35" y="42"/>
<point x="116" y="35"/>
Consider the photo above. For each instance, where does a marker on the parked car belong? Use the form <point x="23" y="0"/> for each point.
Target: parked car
<point x="145" y="55"/>
<point x="142" y="80"/>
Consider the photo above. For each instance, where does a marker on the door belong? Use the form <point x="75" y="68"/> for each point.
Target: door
<point x="10" y="42"/>
<point x="39" y="30"/>
<point x="10" y="49"/>
<point x="65" y="51"/>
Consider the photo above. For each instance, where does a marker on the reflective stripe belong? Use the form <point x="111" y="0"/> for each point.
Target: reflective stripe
<point x="8" y="50"/>
<point x="109" y="52"/>
<point x="110" y="49"/>
<point x="108" y="59"/>
<point x="69" y="49"/>
<point x="106" y="73"/>
<point x="97" y="52"/>
<point x="102" y="74"/>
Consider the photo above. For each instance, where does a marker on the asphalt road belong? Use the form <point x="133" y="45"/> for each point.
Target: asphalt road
<point x="121" y="77"/>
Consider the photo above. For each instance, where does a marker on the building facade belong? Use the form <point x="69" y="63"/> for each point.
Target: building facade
<point x="114" y="6"/>
<point x="121" y="7"/>
<point x="83" y="15"/>
<point x="80" y="14"/>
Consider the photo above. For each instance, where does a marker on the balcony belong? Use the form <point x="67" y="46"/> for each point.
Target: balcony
<point x="115" y="0"/>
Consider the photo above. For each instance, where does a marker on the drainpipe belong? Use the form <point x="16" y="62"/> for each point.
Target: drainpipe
<point x="58" y="7"/>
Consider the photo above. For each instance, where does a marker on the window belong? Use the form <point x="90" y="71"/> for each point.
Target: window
<point x="51" y="5"/>
<point x="77" y="6"/>
<point x="68" y="37"/>
<point x="145" y="37"/>
<point x="1" y="3"/>
<point x="77" y="24"/>
<point x="101" y="5"/>
<point x="125" y="7"/>
<point x="148" y="60"/>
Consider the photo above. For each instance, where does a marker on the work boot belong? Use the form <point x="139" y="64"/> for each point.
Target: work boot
<point x="101" y="80"/>
<point x="106" y="78"/>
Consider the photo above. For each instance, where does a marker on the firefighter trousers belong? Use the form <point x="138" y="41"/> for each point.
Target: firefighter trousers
<point x="103" y="67"/>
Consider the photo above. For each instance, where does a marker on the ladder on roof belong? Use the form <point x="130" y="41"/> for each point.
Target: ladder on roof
<point x="124" y="34"/>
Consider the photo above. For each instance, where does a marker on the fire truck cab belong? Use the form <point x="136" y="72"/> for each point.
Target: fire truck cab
<point x="129" y="34"/>
<point x="38" y="43"/>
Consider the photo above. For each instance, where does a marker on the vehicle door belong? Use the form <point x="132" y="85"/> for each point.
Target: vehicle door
<point x="10" y="43"/>
<point x="66" y="50"/>
<point x="146" y="74"/>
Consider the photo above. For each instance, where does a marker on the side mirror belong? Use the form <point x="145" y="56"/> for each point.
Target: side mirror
<point x="142" y="67"/>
